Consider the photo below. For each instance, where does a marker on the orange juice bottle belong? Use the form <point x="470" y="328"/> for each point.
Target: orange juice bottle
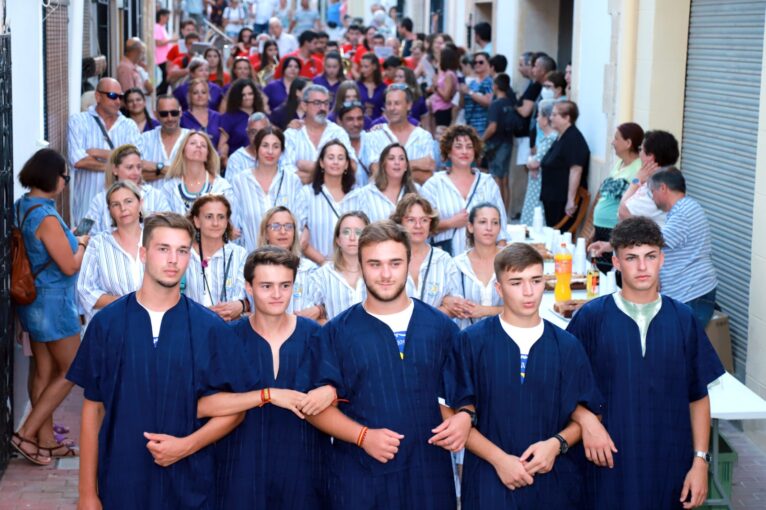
<point x="563" y="261"/>
<point x="591" y="279"/>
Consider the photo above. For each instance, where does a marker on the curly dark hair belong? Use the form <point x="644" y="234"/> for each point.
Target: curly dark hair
<point x="236" y="91"/>
<point x="636" y="231"/>
<point x="452" y="133"/>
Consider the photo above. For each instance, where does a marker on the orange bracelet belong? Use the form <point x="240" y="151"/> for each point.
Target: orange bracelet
<point x="265" y="397"/>
<point x="360" y="438"/>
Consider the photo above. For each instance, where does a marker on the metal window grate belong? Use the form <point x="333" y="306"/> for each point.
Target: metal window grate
<point x="6" y="203"/>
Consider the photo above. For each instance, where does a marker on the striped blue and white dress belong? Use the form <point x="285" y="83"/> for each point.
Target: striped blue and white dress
<point x="473" y="289"/>
<point x="302" y="294"/>
<point x="107" y="269"/>
<point x="251" y="202"/>
<point x="180" y="202"/>
<point x="154" y="150"/>
<point x="321" y="214"/>
<point x="83" y="134"/>
<point x="298" y="145"/>
<point x="420" y="143"/>
<point x="445" y="197"/>
<point x="329" y="288"/>
<point x="154" y="201"/>
<point x="438" y="277"/>
<point x="223" y="279"/>
<point x="370" y="200"/>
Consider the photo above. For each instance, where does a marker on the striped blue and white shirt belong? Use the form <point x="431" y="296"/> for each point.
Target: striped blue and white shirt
<point x="420" y="143"/>
<point x="688" y="271"/>
<point x="364" y="160"/>
<point x="179" y="202"/>
<point x="444" y="196"/>
<point x="437" y="278"/>
<point x="298" y="145"/>
<point x="322" y="213"/>
<point x="251" y="202"/>
<point x="154" y="150"/>
<point x="328" y="287"/>
<point x="370" y="200"/>
<point x="238" y="162"/>
<point x="223" y="279"/>
<point x="471" y="288"/>
<point x="107" y="269"/>
<point x="83" y="134"/>
<point x="154" y="201"/>
<point x="302" y="295"/>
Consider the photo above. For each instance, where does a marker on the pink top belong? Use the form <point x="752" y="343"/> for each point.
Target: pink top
<point x="437" y="102"/>
<point x="161" y="52"/>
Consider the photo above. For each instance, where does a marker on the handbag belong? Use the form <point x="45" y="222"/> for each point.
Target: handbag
<point x="23" y="290"/>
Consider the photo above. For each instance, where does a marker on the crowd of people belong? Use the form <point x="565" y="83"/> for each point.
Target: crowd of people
<point x="304" y="238"/>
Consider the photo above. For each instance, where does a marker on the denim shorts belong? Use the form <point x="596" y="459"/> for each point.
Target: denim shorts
<point x="500" y="159"/>
<point x="52" y="316"/>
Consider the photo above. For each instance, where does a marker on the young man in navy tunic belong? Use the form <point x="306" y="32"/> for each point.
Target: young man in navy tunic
<point x="528" y="377"/>
<point x="392" y="358"/>
<point x="144" y="362"/>
<point x="653" y="361"/>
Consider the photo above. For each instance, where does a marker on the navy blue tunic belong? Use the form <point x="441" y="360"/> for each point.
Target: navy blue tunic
<point x="153" y="389"/>
<point x="274" y="460"/>
<point x="514" y="415"/>
<point x="358" y="355"/>
<point x="647" y="400"/>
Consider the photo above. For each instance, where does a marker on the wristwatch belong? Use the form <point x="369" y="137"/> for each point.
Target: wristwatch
<point x="160" y="166"/>
<point x="702" y="455"/>
<point x="472" y="414"/>
<point x="564" y="446"/>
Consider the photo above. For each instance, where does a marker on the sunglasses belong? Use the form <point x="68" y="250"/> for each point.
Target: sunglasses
<point x="478" y="62"/>
<point x="398" y="86"/>
<point x="171" y="113"/>
<point x="110" y="95"/>
<point x="66" y="178"/>
<point x="352" y="104"/>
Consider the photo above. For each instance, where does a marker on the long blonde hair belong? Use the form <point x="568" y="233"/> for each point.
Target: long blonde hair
<point x="178" y="166"/>
<point x="115" y="159"/>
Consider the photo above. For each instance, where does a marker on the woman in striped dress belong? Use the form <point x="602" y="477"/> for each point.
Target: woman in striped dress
<point x="324" y="199"/>
<point x="378" y="199"/>
<point x="195" y="172"/>
<point x="111" y="266"/>
<point x="124" y="165"/>
<point x="338" y="284"/>
<point x="215" y="277"/>
<point x="279" y="228"/>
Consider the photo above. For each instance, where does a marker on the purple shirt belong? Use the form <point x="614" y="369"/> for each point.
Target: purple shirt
<point x="189" y="121"/>
<point x="374" y="102"/>
<point x="334" y="118"/>
<point x="383" y="120"/>
<point x="419" y="108"/>
<point x="321" y="80"/>
<point x="150" y="124"/>
<point x="235" y="124"/>
<point x="276" y="92"/>
<point x="182" y="92"/>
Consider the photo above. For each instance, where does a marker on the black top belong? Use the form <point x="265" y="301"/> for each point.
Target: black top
<point x="531" y="93"/>
<point x="569" y="150"/>
<point x="495" y="115"/>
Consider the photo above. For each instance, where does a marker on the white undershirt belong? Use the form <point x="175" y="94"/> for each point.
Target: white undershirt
<point x="156" y="320"/>
<point x="525" y="338"/>
<point x="398" y="323"/>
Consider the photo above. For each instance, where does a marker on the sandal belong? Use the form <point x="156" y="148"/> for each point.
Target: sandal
<point x="55" y="454"/>
<point x="17" y="441"/>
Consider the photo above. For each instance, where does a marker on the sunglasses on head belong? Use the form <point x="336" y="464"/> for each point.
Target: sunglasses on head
<point x="398" y="86"/>
<point x="110" y="95"/>
<point x="351" y="104"/>
<point x="171" y="113"/>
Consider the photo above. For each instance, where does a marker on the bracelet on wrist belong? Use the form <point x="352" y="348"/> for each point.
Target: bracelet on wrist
<point x="265" y="396"/>
<point x="84" y="246"/>
<point x="361" y="436"/>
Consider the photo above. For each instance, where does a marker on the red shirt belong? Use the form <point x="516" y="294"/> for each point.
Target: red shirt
<point x="410" y="62"/>
<point x="310" y="68"/>
<point x="255" y="60"/>
<point x="174" y="52"/>
<point x="226" y="77"/>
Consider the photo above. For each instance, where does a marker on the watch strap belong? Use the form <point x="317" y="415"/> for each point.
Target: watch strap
<point x="564" y="446"/>
<point x="470" y="413"/>
<point x="702" y="455"/>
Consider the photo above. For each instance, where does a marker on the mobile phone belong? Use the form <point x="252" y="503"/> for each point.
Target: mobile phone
<point x="84" y="227"/>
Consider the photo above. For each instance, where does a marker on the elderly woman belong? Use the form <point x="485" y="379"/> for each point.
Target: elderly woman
<point x="564" y="167"/>
<point x="543" y="144"/>
<point x="199" y="68"/>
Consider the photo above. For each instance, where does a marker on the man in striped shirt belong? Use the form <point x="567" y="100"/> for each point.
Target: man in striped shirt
<point x="92" y="136"/>
<point x="688" y="274"/>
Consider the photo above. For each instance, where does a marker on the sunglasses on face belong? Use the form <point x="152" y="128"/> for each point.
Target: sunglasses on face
<point x="478" y="62"/>
<point x="166" y="113"/>
<point x="351" y="104"/>
<point x="110" y="95"/>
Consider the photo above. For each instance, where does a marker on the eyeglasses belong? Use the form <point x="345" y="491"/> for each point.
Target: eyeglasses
<point x="317" y="102"/>
<point x="276" y="227"/>
<point x="66" y="178"/>
<point x="166" y="113"/>
<point x="346" y="232"/>
<point x="110" y="95"/>
<point x="352" y="104"/>
<point x="412" y="221"/>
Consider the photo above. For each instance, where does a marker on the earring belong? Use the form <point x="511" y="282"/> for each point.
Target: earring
<point x="225" y="237"/>
<point x="140" y="217"/>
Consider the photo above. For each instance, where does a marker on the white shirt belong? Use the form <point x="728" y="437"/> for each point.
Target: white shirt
<point x="154" y="150"/>
<point x="107" y="269"/>
<point x="364" y="160"/>
<point x="298" y="145"/>
<point x="264" y="9"/>
<point x="437" y="278"/>
<point x="83" y="134"/>
<point x="252" y="202"/>
<point x="301" y="288"/>
<point x="328" y="287"/>
<point x="238" y="162"/>
<point x="154" y="201"/>
<point x="398" y="322"/>
<point x="155" y="318"/>
<point x="287" y="43"/>
<point x="641" y="204"/>
<point x="524" y="338"/>
<point x="180" y="203"/>
<point x="321" y="214"/>
<point x="420" y="143"/>
<point x="473" y="289"/>
<point x="223" y="279"/>
<point x="444" y="196"/>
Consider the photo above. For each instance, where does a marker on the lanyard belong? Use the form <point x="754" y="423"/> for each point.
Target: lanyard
<point x="329" y="202"/>
<point x="226" y="267"/>
<point x="425" y="278"/>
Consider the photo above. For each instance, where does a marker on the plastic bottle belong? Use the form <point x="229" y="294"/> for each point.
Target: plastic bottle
<point x="563" y="261"/>
<point x="592" y="279"/>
